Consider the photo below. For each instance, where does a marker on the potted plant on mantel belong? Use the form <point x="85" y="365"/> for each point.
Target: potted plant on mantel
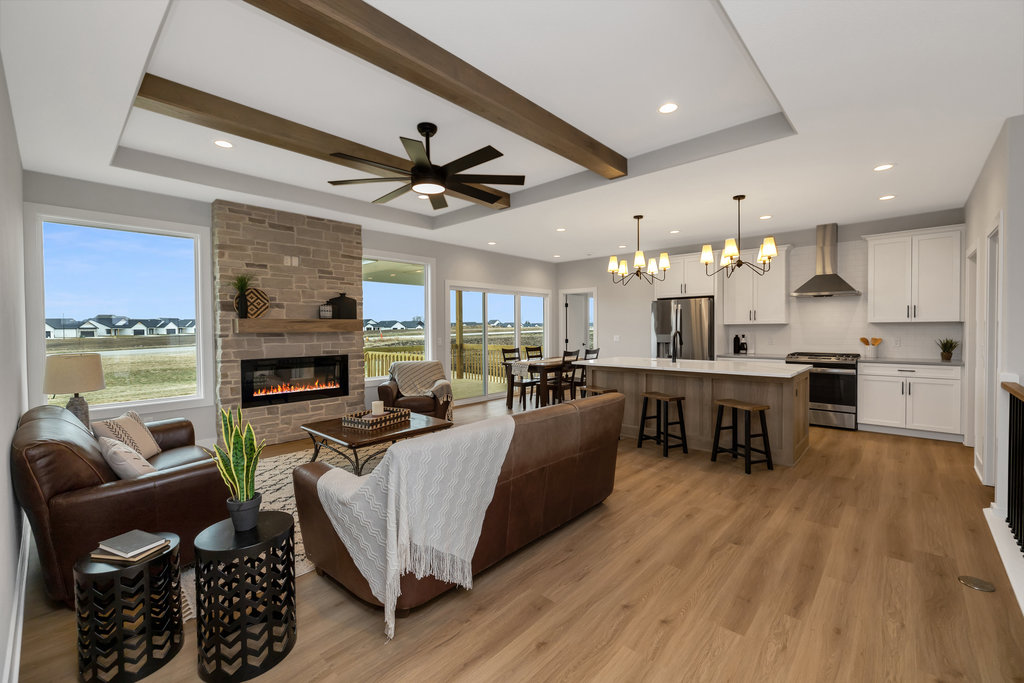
<point x="241" y="283"/>
<point x="947" y="347"/>
<point x="237" y="463"/>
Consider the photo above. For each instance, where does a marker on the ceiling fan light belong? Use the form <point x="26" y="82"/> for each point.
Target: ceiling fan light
<point x="730" y="251"/>
<point x="638" y="260"/>
<point x="768" y="247"/>
<point x="613" y="264"/>
<point x="428" y="187"/>
<point x="622" y="268"/>
<point x="707" y="255"/>
<point x="663" y="262"/>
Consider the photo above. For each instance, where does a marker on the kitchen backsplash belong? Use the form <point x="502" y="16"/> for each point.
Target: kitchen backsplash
<point x="837" y="323"/>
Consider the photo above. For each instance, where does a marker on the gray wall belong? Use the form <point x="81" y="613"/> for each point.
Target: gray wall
<point x="13" y="374"/>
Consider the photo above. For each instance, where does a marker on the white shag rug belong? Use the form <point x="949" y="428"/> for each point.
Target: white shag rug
<point x="274" y="481"/>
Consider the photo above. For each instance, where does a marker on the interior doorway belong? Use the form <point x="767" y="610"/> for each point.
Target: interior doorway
<point x="580" y="310"/>
<point x="990" y="441"/>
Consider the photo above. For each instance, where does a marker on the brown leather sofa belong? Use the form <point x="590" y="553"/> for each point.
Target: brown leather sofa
<point x="73" y="500"/>
<point x="560" y="463"/>
<point x="427" y="405"/>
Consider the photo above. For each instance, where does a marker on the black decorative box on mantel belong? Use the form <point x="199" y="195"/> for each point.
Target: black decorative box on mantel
<point x="343" y="307"/>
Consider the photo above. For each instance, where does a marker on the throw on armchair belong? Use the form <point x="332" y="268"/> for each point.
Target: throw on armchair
<point x="420" y="386"/>
<point x="73" y="499"/>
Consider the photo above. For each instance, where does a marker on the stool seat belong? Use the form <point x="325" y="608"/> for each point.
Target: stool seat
<point x="662" y="434"/>
<point x="660" y="396"/>
<point x="741" y="405"/>
<point x="596" y="391"/>
<point x="735" y="406"/>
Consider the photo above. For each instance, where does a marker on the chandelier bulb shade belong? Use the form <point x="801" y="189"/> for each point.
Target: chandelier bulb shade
<point x="644" y="270"/>
<point x="731" y="258"/>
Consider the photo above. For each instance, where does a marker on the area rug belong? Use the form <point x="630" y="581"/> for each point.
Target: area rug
<point x="274" y="481"/>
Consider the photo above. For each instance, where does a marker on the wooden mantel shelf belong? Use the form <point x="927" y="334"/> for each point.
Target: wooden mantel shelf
<point x="274" y="325"/>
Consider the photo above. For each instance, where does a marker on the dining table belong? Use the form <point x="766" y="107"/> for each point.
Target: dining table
<point x="541" y="366"/>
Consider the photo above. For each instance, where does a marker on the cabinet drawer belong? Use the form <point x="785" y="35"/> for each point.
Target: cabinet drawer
<point x="888" y="370"/>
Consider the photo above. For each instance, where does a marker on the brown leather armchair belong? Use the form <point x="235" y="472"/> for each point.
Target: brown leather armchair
<point x="73" y="500"/>
<point x="433" y="405"/>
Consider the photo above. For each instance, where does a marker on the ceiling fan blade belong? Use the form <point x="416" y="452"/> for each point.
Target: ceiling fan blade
<point x="342" y="155"/>
<point x="394" y="193"/>
<point x="472" y="159"/>
<point x="416" y="151"/>
<point x="438" y="202"/>
<point x="469" y="190"/>
<point x="489" y="179"/>
<point x="357" y="181"/>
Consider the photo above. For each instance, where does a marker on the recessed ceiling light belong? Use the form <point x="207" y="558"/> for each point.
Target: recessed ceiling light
<point x="424" y="196"/>
<point x="886" y="197"/>
<point x="668" y="107"/>
<point x="223" y="143"/>
<point x="673" y="232"/>
<point x="556" y="256"/>
<point x="883" y="167"/>
<point x="765" y="217"/>
<point x="559" y="229"/>
<point x="492" y="243"/>
<point x="622" y="246"/>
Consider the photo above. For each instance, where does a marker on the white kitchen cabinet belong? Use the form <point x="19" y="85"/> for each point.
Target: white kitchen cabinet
<point x="686" y="277"/>
<point x="914" y="276"/>
<point x="752" y="299"/>
<point x="921" y="397"/>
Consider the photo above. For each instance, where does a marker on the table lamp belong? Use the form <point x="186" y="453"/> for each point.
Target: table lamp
<point x="74" y="373"/>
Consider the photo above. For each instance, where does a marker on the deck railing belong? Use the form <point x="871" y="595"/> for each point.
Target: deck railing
<point x="379" y="362"/>
<point x="1015" y="480"/>
<point x="473" y="365"/>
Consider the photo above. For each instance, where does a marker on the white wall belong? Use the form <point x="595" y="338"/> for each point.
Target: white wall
<point x="13" y="375"/>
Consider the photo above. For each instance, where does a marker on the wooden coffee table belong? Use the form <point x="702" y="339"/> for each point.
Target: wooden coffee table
<point x="331" y="434"/>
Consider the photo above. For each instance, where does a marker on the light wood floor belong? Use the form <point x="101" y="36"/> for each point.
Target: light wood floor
<point x="842" y="568"/>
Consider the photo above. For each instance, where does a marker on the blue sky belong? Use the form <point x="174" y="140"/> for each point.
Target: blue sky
<point x="90" y="271"/>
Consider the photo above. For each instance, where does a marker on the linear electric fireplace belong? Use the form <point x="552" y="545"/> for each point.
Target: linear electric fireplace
<point x="270" y="381"/>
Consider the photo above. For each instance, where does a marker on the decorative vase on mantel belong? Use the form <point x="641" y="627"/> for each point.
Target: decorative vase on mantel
<point x="241" y="283"/>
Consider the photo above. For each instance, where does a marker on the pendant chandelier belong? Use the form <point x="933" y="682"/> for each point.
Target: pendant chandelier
<point x="731" y="252"/>
<point x="656" y="267"/>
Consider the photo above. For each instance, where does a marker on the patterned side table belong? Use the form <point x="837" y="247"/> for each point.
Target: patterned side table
<point x="129" y="616"/>
<point x="245" y="595"/>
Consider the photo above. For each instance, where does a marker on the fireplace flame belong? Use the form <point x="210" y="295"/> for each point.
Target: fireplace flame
<point x="296" y="388"/>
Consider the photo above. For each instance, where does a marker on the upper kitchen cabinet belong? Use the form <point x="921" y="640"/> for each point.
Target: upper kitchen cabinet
<point x="914" y="276"/>
<point x="752" y="299"/>
<point x="686" y="277"/>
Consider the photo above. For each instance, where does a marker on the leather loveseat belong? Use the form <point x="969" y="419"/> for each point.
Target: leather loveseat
<point x="559" y="464"/>
<point x="73" y="499"/>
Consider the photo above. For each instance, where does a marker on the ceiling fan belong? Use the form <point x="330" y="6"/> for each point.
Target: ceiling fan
<point x="432" y="180"/>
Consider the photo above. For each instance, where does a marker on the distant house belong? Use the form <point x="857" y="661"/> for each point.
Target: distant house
<point x="412" y="324"/>
<point x="370" y="324"/>
<point x="390" y="325"/>
<point x="186" y="326"/>
<point x="61" y="328"/>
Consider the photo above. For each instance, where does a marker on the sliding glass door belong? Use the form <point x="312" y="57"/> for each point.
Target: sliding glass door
<point x="467" y="328"/>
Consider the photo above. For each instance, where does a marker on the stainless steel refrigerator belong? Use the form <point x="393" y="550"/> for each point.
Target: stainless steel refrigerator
<point x="693" y="317"/>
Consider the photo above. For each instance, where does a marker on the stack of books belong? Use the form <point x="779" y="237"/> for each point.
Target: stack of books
<point x="129" y="548"/>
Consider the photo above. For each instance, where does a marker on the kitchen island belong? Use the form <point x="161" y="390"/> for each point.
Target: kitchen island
<point x="782" y="386"/>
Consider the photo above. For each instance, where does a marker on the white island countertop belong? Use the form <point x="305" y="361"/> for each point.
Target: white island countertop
<point x="741" y="368"/>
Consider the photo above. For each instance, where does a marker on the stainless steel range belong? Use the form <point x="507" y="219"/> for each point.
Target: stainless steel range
<point x="833" y="399"/>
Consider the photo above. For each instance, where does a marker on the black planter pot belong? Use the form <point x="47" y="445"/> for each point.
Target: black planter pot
<point x="243" y="303"/>
<point x="245" y="514"/>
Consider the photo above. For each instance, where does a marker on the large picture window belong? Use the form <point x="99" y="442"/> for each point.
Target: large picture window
<point x="128" y="295"/>
<point x="394" y="313"/>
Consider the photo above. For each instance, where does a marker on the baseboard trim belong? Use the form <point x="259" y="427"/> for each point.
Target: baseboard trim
<point x="979" y="466"/>
<point x="1009" y="552"/>
<point x="12" y="666"/>
<point x="916" y="433"/>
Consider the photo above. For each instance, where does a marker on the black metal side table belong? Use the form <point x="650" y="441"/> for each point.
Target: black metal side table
<point x="129" y="616"/>
<point x="245" y="595"/>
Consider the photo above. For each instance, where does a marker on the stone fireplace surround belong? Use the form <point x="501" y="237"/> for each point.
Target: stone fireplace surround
<point x="300" y="262"/>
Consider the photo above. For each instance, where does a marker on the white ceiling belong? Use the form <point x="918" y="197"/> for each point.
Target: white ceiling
<point x="924" y="84"/>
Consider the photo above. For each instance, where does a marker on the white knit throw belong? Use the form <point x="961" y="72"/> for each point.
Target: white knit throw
<point x="421" y="509"/>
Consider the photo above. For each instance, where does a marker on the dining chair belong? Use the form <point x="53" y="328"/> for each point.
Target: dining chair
<point x="532" y="353"/>
<point x="565" y="378"/>
<point x="522" y="383"/>
<point x="581" y="381"/>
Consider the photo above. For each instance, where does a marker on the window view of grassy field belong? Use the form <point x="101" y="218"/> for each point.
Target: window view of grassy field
<point x="136" y="368"/>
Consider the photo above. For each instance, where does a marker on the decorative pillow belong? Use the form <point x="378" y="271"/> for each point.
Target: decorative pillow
<point x="125" y="462"/>
<point x="130" y="430"/>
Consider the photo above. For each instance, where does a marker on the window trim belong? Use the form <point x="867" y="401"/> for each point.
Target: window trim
<point x="34" y="216"/>
<point x="429" y="268"/>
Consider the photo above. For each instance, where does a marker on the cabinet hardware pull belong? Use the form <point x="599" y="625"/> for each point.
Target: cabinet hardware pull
<point x="902" y="370"/>
<point x="901" y="387"/>
<point x="755" y="314"/>
<point x="684" y="288"/>
<point x="909" y="385"/>
<point x="908" y="310"/>
<point x="915" y="310"/>
<point x="750" y="315"/>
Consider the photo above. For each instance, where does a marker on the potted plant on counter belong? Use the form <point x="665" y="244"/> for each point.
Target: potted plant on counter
<point x="237" y="463"/>
<point x="947" y="347"/>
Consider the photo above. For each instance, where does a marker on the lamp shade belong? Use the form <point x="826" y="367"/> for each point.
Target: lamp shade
<point x="73" y="373"/>
<point x="768" y="248"/>
<point x="730" y="250"/>
<point x="761" y="258"/>
<point x="638" y="259"/>
<point x="613" y="264"/>
<point x="707" y="255"/>
<point x="622" y="268"/>
<point x="663" y="262"/>
<point x="652" y="267"/>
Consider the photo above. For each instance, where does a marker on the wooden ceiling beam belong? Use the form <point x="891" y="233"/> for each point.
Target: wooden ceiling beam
<point x="368" y="33"/>
<point x="179" y="101"/>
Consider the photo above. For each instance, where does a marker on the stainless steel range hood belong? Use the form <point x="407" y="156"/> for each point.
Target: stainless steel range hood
<point x="826" y="282"/>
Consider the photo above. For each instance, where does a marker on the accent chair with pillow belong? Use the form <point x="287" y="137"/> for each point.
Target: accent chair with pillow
<point x="74" y="498"/>
<point x="420" y="386"/>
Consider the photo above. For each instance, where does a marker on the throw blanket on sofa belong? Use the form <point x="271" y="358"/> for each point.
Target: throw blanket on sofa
<point x="421" y="509"/>
<point x="422" y="378"/>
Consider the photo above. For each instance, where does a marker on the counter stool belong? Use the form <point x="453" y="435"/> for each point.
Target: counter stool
<point x="747" y="409"/>
<point x="662" y="434"/>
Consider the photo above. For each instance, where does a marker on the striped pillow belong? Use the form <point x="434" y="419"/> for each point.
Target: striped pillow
<point x="130" y="430"/>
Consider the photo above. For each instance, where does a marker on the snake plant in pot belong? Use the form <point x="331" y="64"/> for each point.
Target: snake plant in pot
<point x="237" y="462"/>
